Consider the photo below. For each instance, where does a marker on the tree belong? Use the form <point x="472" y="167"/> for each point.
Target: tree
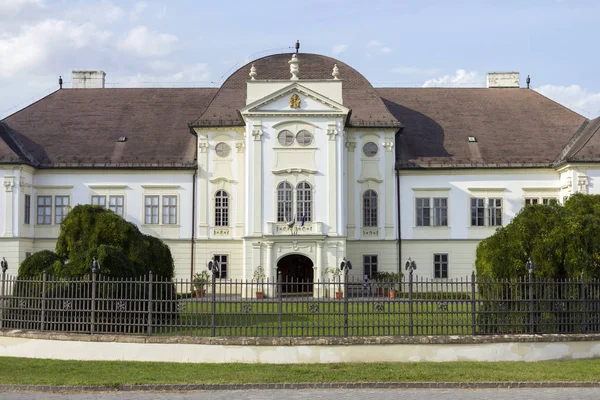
<point x="93" y="232"/>
<point x="564" y="241"/>
<point x="37" y="263"/>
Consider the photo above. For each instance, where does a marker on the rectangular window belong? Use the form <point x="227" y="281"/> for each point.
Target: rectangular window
<point x="370" y="266"/>
<point x="549" y="200"/>
<point x="440" y="211"/>
<point x="423" y="212"/>
<point x="222" y="259"/>
<point x="495" y="212"/>
<point x="440" y="265"/>
<point x="115" y="204"/>
<point x="27" y="219"/>
<point x="169" y="210"/>
<point x="61" y="208"/>
<point x="44" y="210"/>
<point x="27" y="254"/>
<point x="151" y="210"/>
<point x="531" y="201"/>
<point x="477" y="212"/>
<point x="99" y="201"/>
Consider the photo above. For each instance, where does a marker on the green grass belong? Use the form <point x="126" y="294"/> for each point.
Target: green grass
<point x="324" y="318"/>
<point x="112" y="373"/>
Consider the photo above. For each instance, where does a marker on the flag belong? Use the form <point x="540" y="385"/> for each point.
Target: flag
<point x="303" y="220"/>
<point x="291" y="223"/>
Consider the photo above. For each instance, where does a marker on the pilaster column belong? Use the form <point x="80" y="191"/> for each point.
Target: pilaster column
<point x="351" y="146"/>
<point x="270" y="270"/>
<point x="332" y="193"/>
<point x="390" y="193"/>
<point x="257" y="145"/>
<point x="240" y="200"/>
<point x="9" y="184"/>
<point x="203" y="199"/>
<point x="318" y="276"/>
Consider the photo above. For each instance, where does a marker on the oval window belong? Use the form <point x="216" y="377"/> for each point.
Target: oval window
<point x="304" y="138"/>
<point x="286" y="138"/>
<point x="222" y="149"/>
<point x="370" y="149"/>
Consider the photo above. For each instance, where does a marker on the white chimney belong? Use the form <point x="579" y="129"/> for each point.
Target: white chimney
<point x="88" y="79"/>
<point x="503" y="80"/>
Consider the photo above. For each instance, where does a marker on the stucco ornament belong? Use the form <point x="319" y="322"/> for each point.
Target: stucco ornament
<point x="295" y="101"/>
<point x="252" y="73"/>
<point x="336" y="72"/>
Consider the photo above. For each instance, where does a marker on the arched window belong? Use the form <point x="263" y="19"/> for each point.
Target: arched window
<point x="304" y="202"/>
<point x="284" y="202"/>
<point x="221" y="208"/>
<point x="370" y="208"/>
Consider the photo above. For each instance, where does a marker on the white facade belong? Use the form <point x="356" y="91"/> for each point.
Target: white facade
<point x="232" y="205"/>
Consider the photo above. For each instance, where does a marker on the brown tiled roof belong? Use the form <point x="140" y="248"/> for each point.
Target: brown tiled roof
<point x="358" y="94"/>
<point x="585" y="146"/>
<point x="513" y="127"/>
<point x="80" y="128"/>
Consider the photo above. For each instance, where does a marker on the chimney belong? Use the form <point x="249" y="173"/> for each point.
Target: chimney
<point x="88" y="79"/>
<point x="503" y="80"/>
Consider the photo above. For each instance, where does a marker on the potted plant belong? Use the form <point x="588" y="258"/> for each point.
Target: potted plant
<point x="394" y="282"/>
<point x="259" y="277"/>
<point x="199" y="282"/>
<point x="336" y="273"/>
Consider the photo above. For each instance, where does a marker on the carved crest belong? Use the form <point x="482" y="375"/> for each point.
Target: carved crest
<point x="295" y="101"/>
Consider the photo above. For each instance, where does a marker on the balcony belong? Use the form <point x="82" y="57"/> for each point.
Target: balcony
<point x="281" y="228"/>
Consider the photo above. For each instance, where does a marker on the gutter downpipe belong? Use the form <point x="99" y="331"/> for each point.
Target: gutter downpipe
<point x="399" y="218"/>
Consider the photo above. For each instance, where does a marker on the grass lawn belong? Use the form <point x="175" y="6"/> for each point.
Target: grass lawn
<point x="321" y="318"/>
<point x="112" y="373"/>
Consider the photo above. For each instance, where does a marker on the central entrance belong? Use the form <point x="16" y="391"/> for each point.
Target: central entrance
<point x="296" y="274"/>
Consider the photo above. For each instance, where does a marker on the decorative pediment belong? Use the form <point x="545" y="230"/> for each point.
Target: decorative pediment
<point x="295" y="100"/>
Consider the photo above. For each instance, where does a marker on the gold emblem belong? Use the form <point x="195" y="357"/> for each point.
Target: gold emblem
<point x="295" y="101"/>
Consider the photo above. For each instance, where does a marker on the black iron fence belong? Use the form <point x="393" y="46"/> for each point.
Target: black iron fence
<point x="290" y="308"/>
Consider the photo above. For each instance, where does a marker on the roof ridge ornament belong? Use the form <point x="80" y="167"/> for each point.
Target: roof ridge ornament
<point x="294" y="67"/>
<point x="336" y="72"/>
<point x="253" y="73"/>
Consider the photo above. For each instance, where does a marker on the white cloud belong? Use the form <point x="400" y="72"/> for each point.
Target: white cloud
<point x="376" y="44"/>
<point x="33" y="45"/>
<point x="416" y="70"/>
<point x="14" y="6"/>
<point x="144" y="43"/>
<point x="573" y="97"/>
<point x="138" y="9"/>
<point x="461" y="78"/>
<point x="197" y="73"/>
<point x="339" y="48"/>
<point x="95" y="12"/>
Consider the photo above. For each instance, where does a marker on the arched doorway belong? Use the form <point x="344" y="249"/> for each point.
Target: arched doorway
<point x="296" y="274"/>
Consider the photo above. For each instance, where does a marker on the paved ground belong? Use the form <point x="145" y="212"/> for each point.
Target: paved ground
<point x="381" y="394"/>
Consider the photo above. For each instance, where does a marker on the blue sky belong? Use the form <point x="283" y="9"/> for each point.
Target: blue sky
<point x="393" y="43"/>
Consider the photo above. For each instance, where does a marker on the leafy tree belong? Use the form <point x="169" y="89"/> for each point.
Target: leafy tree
<point x="37" y="263"/>
<point x="564" y="241"/>
<point x="91" y="231"/>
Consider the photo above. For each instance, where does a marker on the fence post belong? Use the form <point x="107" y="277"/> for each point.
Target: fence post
<point x="531" y="317"/>
<point x="410" y="302"/>
<point x="213" y="312"/>
<point x="93" y="304"/>
<point x="150" y="281"/>
<point x="43" y="306"/>
<point x="3" y="298"/>
<point x="345" y="302"/>
<point x="583" y="307"/>
<point x="280" y="305"/>
<point x="473" y="304"/>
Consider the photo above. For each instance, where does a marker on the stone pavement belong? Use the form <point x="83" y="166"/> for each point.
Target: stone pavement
<point x="321" y="394"/>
